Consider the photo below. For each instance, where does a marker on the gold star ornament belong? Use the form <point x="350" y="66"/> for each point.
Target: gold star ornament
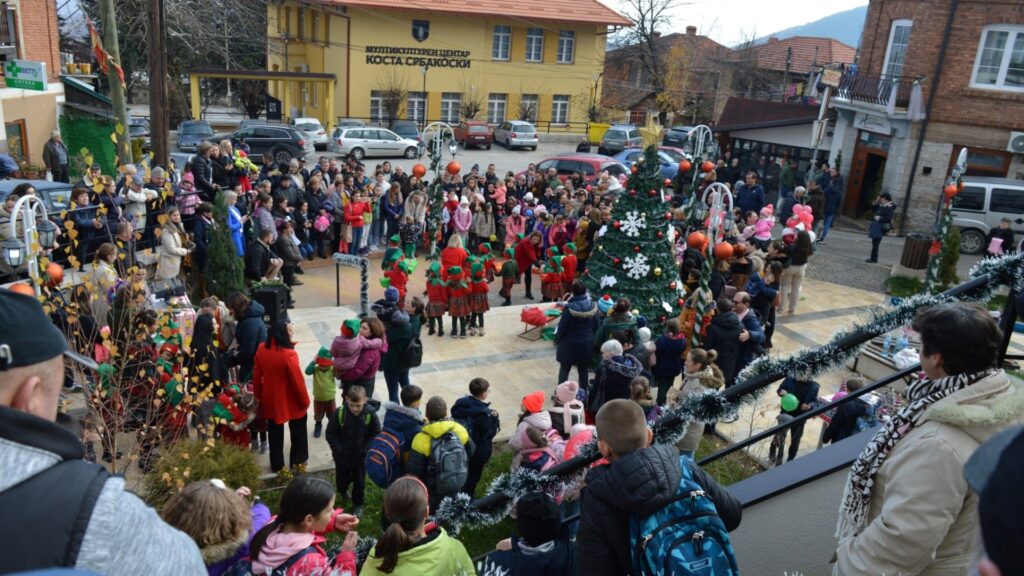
<point x="651" y="133"/>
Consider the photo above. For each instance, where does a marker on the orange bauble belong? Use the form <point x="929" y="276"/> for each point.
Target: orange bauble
<point x="633" y="169"/>
<point x="695" y="240"/>
<point x="684" y="165"/>
<point x="723" y="251"/>
<point x="707" y="166"/>
<point x="454" y="168"/>
<point x="56" y="274"/>
<point x="950" y="190"/>
<point x="419" y="170"/>
<point x="22" y="288"/>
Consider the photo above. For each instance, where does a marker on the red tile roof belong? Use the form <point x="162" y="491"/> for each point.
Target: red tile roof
<point x="807" y="51"/>
<point x="742" y="114"/>
<point x="582" y="11"/>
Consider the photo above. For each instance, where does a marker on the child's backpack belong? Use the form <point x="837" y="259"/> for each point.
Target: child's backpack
<point x="448" y="465"/>
<point x="685" y="537"/>
<point x="412" y="355"/>
<point x="384" y="458"/>
<point x="341" y="416"/>
<point x="538" y="459"/>
<point x="868" y="421"/>
<point x="244" y="566"/>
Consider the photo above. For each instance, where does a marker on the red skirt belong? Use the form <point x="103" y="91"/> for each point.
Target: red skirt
<point x="458" y="306"/>
<point x="551" y="290"/>
<point x="478" y="303"/>
<point x="435" y="309"/>
<point x="229" y="436"/>
<point x="506" y="286"/>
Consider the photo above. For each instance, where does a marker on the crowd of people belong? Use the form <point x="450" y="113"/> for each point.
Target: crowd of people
<point x="231" y="376"/>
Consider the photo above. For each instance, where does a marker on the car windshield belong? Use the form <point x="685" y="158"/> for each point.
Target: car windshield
<point x="308" y="126"/>
<point x="614" y="134"/>
<point x="673" y="155"/>
<point x="524" y="128"/>
<point x="478" y="129"/>
<point x="197" y="130"/>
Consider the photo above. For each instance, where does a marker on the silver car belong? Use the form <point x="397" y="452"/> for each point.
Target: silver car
<point x="618" y="138"/>
<point x="366" y="142"/>
<point x="314" y="128"/>
<point x="983" y="203"/>
<point x="516" y="133"/>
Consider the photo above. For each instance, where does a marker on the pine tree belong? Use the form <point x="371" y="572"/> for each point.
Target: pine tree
<point x="632" y="256"/>
<point x="225" y="269"/>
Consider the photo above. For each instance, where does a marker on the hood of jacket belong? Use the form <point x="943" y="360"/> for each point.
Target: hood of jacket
<point x="727" y="320"/>
<point x="708" y="378"/>
<point x="641" y="482"/>
<point x="221" y="551"/>
<point x="981" y="409"/>
<point x="255" y="310"/>
<point x="581" y="307"/>
<point x="434" y="430"/>
<point x="540" y="420"/>
<point x="396" y="410"/>
<point x="468" y="407"/>
<point x="626" y="365"/>
<point x="281" y="546"/>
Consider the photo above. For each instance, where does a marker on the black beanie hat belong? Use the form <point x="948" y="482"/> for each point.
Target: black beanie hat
<point x="538" y="518"/>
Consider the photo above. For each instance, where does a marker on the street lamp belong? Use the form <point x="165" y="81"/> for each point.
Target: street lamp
<point x="434" y="134"/>
<point x="34" y="236"/>
<point x="423" y="69"/>
<point x="14" y="251"/>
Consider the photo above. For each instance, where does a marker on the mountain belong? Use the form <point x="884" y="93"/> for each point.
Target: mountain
<point x="843" y="26"/>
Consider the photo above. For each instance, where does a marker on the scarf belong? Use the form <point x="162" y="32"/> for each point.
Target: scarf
<point x="920" y="396"/>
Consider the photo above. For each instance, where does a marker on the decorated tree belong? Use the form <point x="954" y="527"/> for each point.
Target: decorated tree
<point x="632" y="256"/>
<point x="945" y="249"/>
<point x="225" y="270"/>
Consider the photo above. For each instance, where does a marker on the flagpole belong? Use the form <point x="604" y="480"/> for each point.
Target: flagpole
<point x="117" y="88"/>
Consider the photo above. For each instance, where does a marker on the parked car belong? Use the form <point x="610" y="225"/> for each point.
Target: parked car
<point x="365" y="142"/>
<point x="282" y="142"/>
<point x="56" y="197"/>
<point x="191" y="133"/>
<point x="676" y="136"/>
<point x="591" y="165"/>
<point x="350" y="123"/>
<point x="406" y="129"/>
<point x="516" y="133"/>
<point x="618" y="138"/>
<point x="982" y="204"/>
<point x="474" y="133"/>
<point x="315" y="129"/>
<point x="138" y="127"/>
<point x="180" y="161"/>
<point x="668" y="157"/>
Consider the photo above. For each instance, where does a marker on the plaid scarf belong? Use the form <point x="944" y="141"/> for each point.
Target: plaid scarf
<point x="920" y="396"/>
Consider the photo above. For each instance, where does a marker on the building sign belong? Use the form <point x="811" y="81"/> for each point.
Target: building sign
<point x="25" y="74"/>
<point x="872" y="123"/>
<point x="420" y="30"/>
<point x="831" y="77"/>
<point x="417" y="57"/>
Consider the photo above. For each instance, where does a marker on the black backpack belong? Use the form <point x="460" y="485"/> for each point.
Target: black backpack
<point x="412" y="355"/>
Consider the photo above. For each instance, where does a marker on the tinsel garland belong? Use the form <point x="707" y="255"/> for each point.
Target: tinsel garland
<point x="435" y="204"/>
<point x="703" y="301"/>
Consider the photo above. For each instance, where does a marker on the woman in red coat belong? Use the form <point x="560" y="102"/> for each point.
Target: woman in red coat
<point x="280" y="388"/>
<point x="526" y="255"/>
<point x="454" y="255"/>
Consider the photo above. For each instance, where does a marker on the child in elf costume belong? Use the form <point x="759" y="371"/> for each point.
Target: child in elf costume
<point x="392" y="253"/>
<point x="509" y="271"/>
<point x="409" y="230"/>
<point x="397" y="275"/>
<point x="487" y="259"/>
<point x="478" y="298"/>
<point x="569" y="265"/>
<point x="321" y="369"/>
<point x="171" y="419"/>
<point x="551" y="277"/>
<point x="236" y="410"/>
<point x="458" y="300"/>
<point x="437" y="299"/>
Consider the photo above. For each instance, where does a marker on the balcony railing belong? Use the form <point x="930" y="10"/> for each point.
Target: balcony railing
<point x="8" y="31"/>
<point x="873" y="89"/>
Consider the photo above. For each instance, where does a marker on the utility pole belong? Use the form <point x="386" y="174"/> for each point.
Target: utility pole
<point x="785" y="76"/>
<point x="158" y="106"/>
<point x="117" y="96"/>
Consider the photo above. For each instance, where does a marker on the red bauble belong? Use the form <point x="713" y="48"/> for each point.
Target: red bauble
<point x="707" y="166"/>
<point x="616" y="224"/>
<point x="668" y="215"/>
<point x="695" y="240"/>
<point x="662" y="317"/>
<point x="681" y="302"/>
<point x="454" y="168"/>
<point x="633" y="169"/>
<point x="660" y="234"/>
<point x="950" y="190"/>
<point x="652" y="192"/>
<point x="632" y="192"/>
<point x="419" y="170"/>
<point x="723" y="251"/>
<point x="684" y="165"/>
<point x="668" y="182"/>
<point x="56" y="274"/>
<point x="636" y="249"/>
<point x="22" y="288"/>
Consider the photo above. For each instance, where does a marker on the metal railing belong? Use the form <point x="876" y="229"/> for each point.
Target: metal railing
<point x="873" y="89"/>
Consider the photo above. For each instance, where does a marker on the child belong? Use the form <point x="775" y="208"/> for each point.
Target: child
<point x="763" y="227"/>
<point x="640" y="392"/>
<point x="219" y="520"/>
<point x="568" y="409"/>
<point x="509" y="273"/>
<point x="410" y="546"/>
<point x="236" y="410"/>
<point x="700" y="374"/>
<point x="850" y="416"/>
<point x="569" y="264"/>
<point x="487" y="259"/>
<point x="187" y="198"/>
<point x="540" y="450"/>
<point x="668" y="358"/>
<point x="458" y="300"/>
<point x="437" y="299"/>
<point x="321" y="369"/>
<point x="626" y="488"/>
<point x="322" y="225"/>
<point x="346" y="348"/>
<point x="307" y="515"/>
<point x="409" y="231"/>
<point x="349" y="432"/>
<point x="478" y="299"/>
<point x="417" y="315"/>
<point x="405" y="419"/>
<point x="541" y="545"/>
<point x="551" y="277"/>
<point x="533" y="414"/>
<point x="431" y="438"/>
<point x="304" y="228"/>
<point x="481" y="421"/>
<point x="398" y="276"/>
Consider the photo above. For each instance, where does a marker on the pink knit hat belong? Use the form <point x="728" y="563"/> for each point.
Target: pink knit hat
<point x="566" y="391"/>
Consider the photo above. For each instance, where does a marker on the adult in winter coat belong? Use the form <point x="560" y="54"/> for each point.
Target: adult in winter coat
<point x="885" y="210"/>
<point x="280" y="388"/>
<point x="614" y="374"/>
<point x="364" y="372"/>
<point x="906" y="507"/>
<point x="174" y="246"/>
<point x="668" y="353"/>
<point x="250" y="332"/>
<point x="700" y="374"/>
<point x="527" y="254"/>
<point x="833" y="198"/>
<point x="575" y="334"/>
<point x="752" y="335"/>
<point x="724" y="338"/>
<point x="844" y="421"/>
<point x="399" y="331"/>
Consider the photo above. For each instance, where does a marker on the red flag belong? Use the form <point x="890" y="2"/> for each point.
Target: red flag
<point x="97" y="47"/>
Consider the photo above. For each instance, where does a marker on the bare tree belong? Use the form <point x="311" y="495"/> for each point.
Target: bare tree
<point x="649" y="18"/>
<point x="472" y="99"/>
<point x="394" y="90"/>
<point x="252" y="95"/>
<point x="749" y="81"/>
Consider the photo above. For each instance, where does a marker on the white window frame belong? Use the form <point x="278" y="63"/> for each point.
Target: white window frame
<point x="534" y="44"/>
<point x="566" y="53"/>
<point x="501" y="43"/>
<point x="451" y="107"/>
<point x="1014" y="32"/>
<point x="377" y="112"/>
<point x="901" y="23"/>
<point x="532" y="99"/>
<point x="416" y="107"/>
<point x="560" y="109"/>
<point x="494" y="102"/>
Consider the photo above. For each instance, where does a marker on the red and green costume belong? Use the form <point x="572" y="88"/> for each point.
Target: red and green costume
<point x="437" y="292"/>
<point x="458" y="293"/>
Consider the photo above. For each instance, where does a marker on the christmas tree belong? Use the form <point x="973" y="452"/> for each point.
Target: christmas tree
<point x="632" y="256"/>
<point x="225" y="269"/>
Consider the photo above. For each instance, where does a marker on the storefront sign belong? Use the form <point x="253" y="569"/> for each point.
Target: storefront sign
<point x="417" y="57"/>
<point x="873" y="123"/>
<point x="25" y="74"/>
<point x="831" y="77"/>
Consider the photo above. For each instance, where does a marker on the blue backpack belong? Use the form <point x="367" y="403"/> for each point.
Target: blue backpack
<point x="684" y="538"/>
<point x="384" y="458"/>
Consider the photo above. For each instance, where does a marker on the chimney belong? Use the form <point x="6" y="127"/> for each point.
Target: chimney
<point x="691" y="30"/>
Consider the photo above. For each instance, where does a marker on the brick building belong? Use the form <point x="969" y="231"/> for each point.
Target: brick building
<point x="28" y="31"/>
<point x="968" y="57"/>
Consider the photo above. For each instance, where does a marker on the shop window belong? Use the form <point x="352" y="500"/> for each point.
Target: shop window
<point x="566" y="46"/>
<point x="983" y="162"/>
<point x="451" y="107"/>
<point x="502" y="42"/>
<point x="534" y="44"/>
<point x="16" y="140"/>
<point x="896" y="52"/>
<point x="560" y="109"/>
<point x="1007" y="201"/>
<point x="1000" y="59"/>
<point x="496" y="108"/>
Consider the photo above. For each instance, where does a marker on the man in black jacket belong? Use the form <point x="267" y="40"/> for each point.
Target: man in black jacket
<point x="639" y="480"/>
<point x="481" y="421"/>
<point x="806" y="392"/>
<point x="724" y="337"/>
<point x="260" y="261"/>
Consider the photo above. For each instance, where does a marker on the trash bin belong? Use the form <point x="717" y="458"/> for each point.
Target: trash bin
<point x="915" y="251"/>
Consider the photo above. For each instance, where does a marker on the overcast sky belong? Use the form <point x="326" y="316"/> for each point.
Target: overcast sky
<point x="732" y="21"/>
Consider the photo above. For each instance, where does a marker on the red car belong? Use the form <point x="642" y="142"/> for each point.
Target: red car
<point x="591" y="165"/>
<point x="474" y="133"/>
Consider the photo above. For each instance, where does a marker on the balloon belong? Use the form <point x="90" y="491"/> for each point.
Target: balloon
<point x="22" y="288"/>
<point x="419" y="170"/>
<point x="581" y="438"/>
<point x="454" y="168"/>
<point x="789" y="403"/>
<point x="695" y="240"/>
<point x="723" y="251"/>
<point x="56" y="274"/>
<point x="707" y="166"/>
<point x="950" y="190"/>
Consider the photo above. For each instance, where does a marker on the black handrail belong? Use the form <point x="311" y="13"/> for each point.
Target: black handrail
<point x="764" y="435"/>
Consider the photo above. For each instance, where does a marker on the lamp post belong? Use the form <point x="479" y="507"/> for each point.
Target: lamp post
<point x="700" y="141"/>
<point x="435" y="134"/>
<point x="34" y="237"/>
<point x="423" y="121"/>
<point x="717" y="201"/>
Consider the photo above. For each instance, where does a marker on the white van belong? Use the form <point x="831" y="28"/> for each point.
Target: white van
<point x="983" y="203"/>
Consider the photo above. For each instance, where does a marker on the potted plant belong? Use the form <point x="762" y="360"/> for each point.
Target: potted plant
<point x="35" y="172"/>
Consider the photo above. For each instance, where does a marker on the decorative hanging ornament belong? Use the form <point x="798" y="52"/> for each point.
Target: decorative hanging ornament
<point x="636" y="266"/>
<point x="616" y="224"/>
<point x="657" y="271"/>
<point x="419" y="170"/>
<point x="950" y="191"/>
<point x="652" y="192"/>
<point x="723" y="251"/>
<point x="633" y="192"/>
<point x="684" y="165"/>
<point x="603" y="229"/>
<point x="695" y="240"/>
<point x="636" y="248"/>
<point x="666" y="306"/>
<point x="681" y="302"/>
<point x="660" y="234"/>
<point x="633" y="170"/>
<point x="617" y="261"/>
<point x="55" y="273"/>
<point x="633" y="223"/>
<point x="650" y="300"/>
<point x="453" y="167"/>
<point x="707" y="166"/>
<point x="608" y="281"/>
<point x="22" y="288"/>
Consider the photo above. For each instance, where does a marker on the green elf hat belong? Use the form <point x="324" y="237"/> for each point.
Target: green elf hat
<point x="394" y="255"/>
<point x="476" y="268"/>
<point x="408" y="265"/>
<point x="395" y="239"/>
<point x="569" y="248"/>
<point x="323" y="357"/>
<point x="484" y="248"/>
<point x="510" y="252"/>
<point x="455" y="271"/>
<point x="521" y="235"/>
<point x="553" y="251"/>
<point x="385" y="282"/>
<point x="350" y="327"/>
<point x="435" y="268"/>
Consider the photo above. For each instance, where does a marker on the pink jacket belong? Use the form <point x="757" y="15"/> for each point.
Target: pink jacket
<point x="346" y="351"/>
<point x="514" y="226"/>
<point x="763" y="228"/>
<point x="366" y="366"/>
<point x="282" y="546"/>
<point x="462" y="220"/>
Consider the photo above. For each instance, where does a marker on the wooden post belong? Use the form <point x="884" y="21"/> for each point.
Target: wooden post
<point x="117" y="96"/>
<point x="159" y="115"/>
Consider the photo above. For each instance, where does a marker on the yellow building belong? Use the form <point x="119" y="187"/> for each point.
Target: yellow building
<point x="540" y="60"/>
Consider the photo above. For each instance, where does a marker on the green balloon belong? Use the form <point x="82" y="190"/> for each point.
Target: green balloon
<point x="790" y="402"/>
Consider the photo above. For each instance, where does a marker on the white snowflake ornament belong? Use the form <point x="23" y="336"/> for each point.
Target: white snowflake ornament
<point x="666" y="306"/>
<point x="633" y="223"/>
<point x="602" y="230"/>
<point x="608" y="281"/>
<point x="636" y="267"/>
